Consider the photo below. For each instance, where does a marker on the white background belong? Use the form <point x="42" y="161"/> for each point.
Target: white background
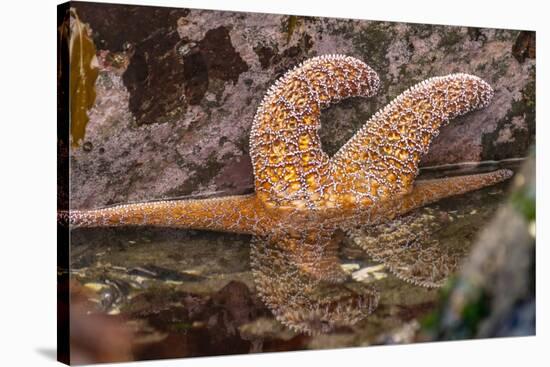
<point x="28" y="182"/>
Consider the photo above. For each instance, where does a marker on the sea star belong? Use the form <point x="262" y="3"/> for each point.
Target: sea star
<point x="302" y="197"/>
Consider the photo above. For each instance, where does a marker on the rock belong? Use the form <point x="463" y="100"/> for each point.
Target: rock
<point x="406" y="334"/>
<point x="369" y="274"/>
<point x="177" y="92"/>
<point x="87" y="325"/>
<point x="265" y="328"/>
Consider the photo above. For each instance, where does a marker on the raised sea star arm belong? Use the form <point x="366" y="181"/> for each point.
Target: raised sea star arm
<point x="289" y="164"/>
<point x="239" y="214"/>
<point x="381" y="160"/>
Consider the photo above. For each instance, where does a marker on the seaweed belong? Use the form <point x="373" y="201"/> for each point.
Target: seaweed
<point x="83" y="74"/>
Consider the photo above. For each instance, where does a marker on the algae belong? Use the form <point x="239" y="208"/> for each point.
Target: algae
<point x="83" y="74"/>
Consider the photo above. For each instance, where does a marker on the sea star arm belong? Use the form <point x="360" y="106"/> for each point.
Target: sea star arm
<point x="381" y="160"/>
<point x="425" y="192"/>
<point x="289" y="164"/>
<point x="239" y="214"/>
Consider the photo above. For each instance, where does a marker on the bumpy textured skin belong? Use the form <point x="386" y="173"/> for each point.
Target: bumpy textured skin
<point x="302" y="197"/>
<point x="381" y="160"/>
<point x="238" y="214"/>
<point x="290" y="168"/>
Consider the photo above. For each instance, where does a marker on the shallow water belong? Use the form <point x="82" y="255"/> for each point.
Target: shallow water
<point x="191" y="293"/>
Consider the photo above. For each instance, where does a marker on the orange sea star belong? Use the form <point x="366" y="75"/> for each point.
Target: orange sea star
<point x="302" y="196"/>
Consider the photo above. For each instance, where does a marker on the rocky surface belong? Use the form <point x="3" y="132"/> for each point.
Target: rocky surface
<point x="178" y="88"/>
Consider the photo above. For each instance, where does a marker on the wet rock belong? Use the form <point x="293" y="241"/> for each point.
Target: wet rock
<point x="525" y="46"/>
<point x="265" y="328"/>
<point x="197" y="325"/>
<point x="155" y="67"/>
<point x="238" y="304"/>
<point x="95" y="337"/>
<point x="157" y="272"/>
